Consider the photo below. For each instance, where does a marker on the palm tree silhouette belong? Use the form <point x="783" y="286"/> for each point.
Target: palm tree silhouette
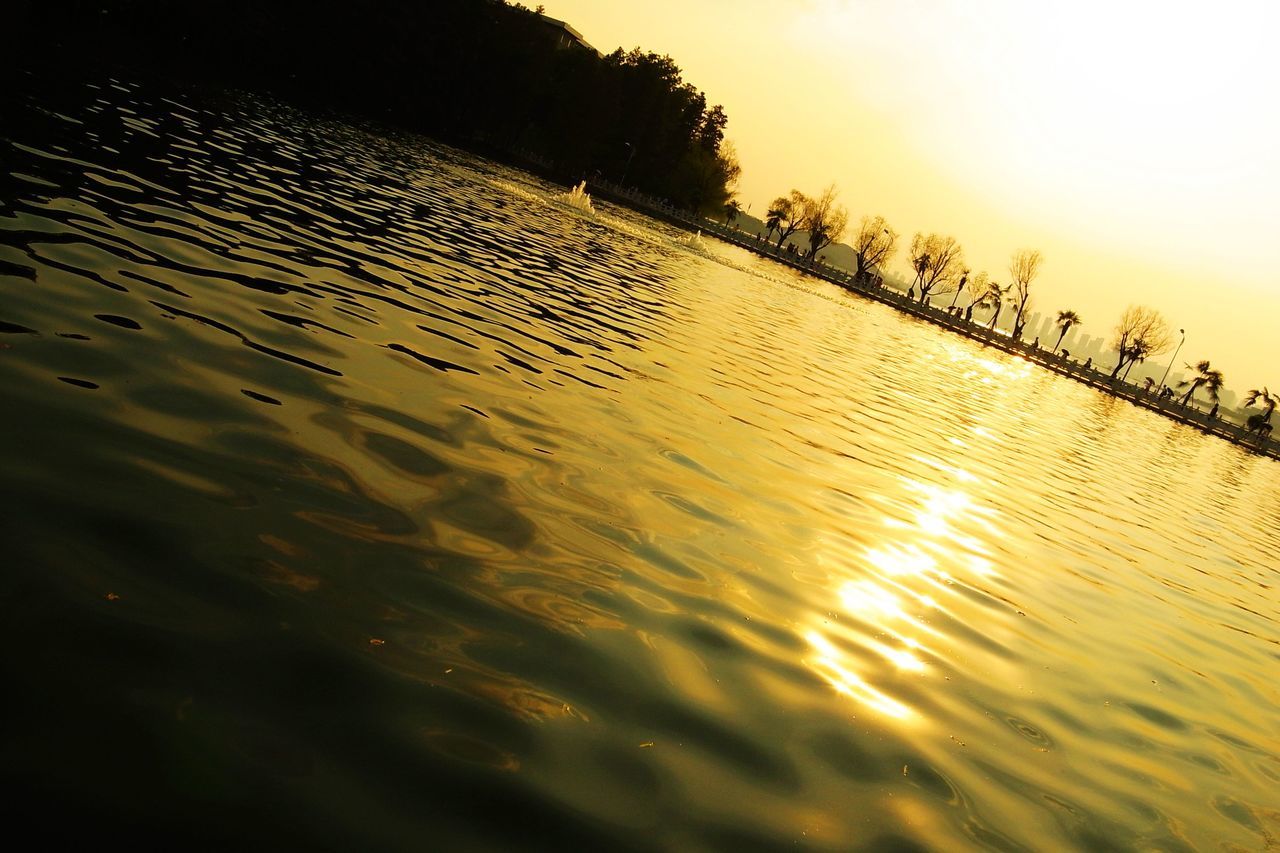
<point x="1260" y="422"/>
<point x="731" y="210"/>
<point x="1066" y="319"/>
<point x="992" y="296"/>
<point x="1209" y="378"/>
<point x="921" y="265"/>
<point x="773" y="220"/>
<point x="964" y="281"/>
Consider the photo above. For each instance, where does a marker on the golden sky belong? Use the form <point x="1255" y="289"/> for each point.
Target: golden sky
<point x="1137" y="144"/>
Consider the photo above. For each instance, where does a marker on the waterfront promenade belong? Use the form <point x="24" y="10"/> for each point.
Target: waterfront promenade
<point x="1189" y="415"/>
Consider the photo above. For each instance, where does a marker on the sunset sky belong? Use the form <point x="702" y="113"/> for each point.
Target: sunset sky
<point x="1135" y="143"/>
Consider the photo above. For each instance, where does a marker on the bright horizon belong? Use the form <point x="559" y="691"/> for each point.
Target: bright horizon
<point x="1130" y="142"/>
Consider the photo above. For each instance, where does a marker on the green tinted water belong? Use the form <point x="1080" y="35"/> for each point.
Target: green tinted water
<point x="360" y="495"/>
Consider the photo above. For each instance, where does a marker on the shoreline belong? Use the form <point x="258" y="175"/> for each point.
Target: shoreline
<point x="1187" y="415"/>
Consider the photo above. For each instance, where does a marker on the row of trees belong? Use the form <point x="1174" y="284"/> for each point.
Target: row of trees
<point x="937" y="261"/>
<point x="820" y="216"/>
<point x="1142" y="333"/>
<point x="499" y="74"/>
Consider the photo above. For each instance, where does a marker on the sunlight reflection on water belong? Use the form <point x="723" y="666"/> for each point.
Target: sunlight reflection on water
<point x="425" y="484"/>
<point x="899" y="584"/>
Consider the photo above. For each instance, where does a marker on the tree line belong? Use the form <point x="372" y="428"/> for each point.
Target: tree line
<point x="497" y="75"/>
<point x="487" y="74"/>
<point x="939" y="266"/>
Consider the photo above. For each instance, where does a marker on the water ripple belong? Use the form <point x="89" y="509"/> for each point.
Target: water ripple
<point x="405" y="496"/>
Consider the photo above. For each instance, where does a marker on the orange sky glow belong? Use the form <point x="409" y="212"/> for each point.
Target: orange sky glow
<point x="1133" y="143"/>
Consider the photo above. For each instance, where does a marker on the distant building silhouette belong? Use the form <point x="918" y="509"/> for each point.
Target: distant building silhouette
<point x="1047" y="330"/>
<point x="566" y="37"/>
<point x="1089" y="347"/>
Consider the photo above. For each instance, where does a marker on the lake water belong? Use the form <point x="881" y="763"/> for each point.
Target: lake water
<point x="359" y="495"/>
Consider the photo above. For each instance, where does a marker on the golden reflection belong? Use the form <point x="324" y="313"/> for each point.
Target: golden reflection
<point x="938" y="465"/>
<point x="1017" y="369"/>
<point x="828" y="664"/>
<point x="901" y="560"/>
<point x="931" y="535"/>
<point x="988" y="370"/>
<point x="938" y="513"/>
<point x="886" y="593"/>
<point x="902" y="659"/>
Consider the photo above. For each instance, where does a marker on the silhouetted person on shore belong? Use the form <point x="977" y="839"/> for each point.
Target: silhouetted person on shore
<point x="911" y="293"/>
<point x="1088" y="363"/>
<point x="1213" y="413"/>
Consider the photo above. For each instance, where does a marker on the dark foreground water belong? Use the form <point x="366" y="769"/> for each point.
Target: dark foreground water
<point x="358" y="495"/>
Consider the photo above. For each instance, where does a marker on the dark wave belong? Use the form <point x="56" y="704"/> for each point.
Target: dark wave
<point x="352" y="484"/>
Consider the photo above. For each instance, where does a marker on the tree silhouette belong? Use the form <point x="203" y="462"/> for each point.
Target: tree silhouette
<point x="773" y="219"/>
<point x="938" y="262"/>
<point x="732" y="209"/>
<point x="824" y="220"/>
<point x="1207" y="377"/>
<point x="960" y="286"/>
<point x="977" y="285"/>
<point x="787" y="214"/>
<point x="1066" y="319"/>
<point x="707" y="178"/>
<point x="873" y="245"/>
<point x="1260" y="422"/>
<point x="494" y="76"/>
<point x="1140" y="334"/>
<point x="711" y="131"/>
<point x="919" y="263"/>
<point x="991" y="296"/>
<point x="1023" y="268"/>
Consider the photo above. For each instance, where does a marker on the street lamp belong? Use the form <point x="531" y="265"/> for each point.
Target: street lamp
<point x="631" y="152"/>
<point x="1182" y="332"/>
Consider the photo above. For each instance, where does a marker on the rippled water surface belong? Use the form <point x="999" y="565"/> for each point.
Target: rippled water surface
<point x="358" y="494"/>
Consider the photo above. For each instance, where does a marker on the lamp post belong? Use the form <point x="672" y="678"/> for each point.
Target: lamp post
<point x="866" y="273"/>
<point x="631" y="152"/>
<point x="1182" y="332"/>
